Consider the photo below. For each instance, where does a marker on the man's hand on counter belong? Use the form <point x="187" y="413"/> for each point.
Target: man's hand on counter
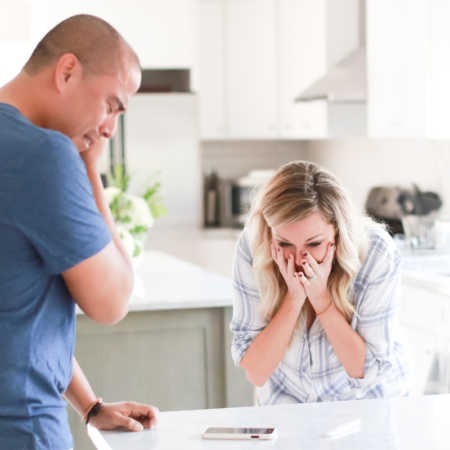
<point x="126" y="415"/>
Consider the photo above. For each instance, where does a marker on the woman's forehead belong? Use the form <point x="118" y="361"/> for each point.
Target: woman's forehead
<point x="304" y="229"/>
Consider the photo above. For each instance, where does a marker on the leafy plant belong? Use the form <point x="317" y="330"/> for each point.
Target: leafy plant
<point x="133" y="215"/>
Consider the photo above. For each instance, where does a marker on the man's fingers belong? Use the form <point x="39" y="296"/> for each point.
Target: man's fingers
<point x="146" y="414"/>
<point x="128" y="423"/>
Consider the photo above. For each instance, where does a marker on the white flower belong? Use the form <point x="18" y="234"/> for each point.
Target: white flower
<point x="132" y="216"/>
<point x="127" y="239"/>
<point x="139" y="212"/>
<point x="110" y="193"/>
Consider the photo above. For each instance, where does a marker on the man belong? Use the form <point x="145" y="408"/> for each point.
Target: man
<point x="58" y="242"/>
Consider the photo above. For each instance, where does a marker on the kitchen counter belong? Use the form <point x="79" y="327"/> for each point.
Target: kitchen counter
<point x="164" y="281"/>
<point x="396" y="424"/>
<point x="173" y="347"/>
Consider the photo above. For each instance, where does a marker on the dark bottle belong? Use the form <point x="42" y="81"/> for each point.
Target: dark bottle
<point x="211" y="200"/>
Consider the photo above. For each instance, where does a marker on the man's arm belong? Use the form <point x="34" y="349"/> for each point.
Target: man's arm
<point x="130" y="415"/>
<point x="102" y="284"/>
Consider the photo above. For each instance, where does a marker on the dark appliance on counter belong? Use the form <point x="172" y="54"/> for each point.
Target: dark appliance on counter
<point x="389" y="204"/>
<point x="227" y="201"/>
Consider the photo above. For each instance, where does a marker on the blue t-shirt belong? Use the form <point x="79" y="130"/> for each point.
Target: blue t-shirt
<point x="49" y="222"/>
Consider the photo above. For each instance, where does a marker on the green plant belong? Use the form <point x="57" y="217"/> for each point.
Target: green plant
<point x="133" y="215"/>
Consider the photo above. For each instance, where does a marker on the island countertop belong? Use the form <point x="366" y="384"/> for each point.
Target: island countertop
<point x="414" y="423"/>
<point x="164" y="282"/>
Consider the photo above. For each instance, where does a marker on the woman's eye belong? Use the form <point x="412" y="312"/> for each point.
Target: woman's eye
<point x="284" y="244"/>
<point x="314" y="244"/>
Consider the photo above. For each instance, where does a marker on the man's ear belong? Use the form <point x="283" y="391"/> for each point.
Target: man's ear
<point x="67" y="71"/>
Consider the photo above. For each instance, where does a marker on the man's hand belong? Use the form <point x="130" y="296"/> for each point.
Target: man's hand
<point x="126" y="415"/>
<point x="90" y="150"/>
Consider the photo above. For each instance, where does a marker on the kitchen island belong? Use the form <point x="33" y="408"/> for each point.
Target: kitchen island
<point x="395" y="424"/>
<point x="171" y="350"/>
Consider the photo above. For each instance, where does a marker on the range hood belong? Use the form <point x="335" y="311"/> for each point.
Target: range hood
<point x="345" y="82"/>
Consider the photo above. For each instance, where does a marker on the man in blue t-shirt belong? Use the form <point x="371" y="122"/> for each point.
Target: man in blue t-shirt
<point x="58" y="243"/>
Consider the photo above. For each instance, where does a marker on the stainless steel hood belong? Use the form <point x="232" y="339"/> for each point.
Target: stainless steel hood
<point x="345" y="82"/>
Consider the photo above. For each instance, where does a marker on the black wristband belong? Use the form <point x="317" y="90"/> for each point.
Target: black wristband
<point x="94" y="411"/>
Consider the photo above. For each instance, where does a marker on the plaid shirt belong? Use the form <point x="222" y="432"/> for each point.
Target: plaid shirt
<point x="310" y="371"/>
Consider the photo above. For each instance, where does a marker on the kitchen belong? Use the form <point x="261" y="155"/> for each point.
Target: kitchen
<point x="237" y="114"/>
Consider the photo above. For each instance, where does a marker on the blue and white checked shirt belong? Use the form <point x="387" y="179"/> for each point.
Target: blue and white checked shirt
<point x="310" y="370"/>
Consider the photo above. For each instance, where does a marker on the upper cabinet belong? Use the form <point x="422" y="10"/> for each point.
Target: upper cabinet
<point x="251" y="68"/>
<point x="162" y="32"/>
<point x="408" y="62"/>
<point x="357" y="68"/>
<point x="254" y="55"/>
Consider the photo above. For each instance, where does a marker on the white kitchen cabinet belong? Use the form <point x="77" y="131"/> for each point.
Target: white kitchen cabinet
<point x="250" y="68"/>
<point x="408" y="68"/>
<point x="424" y="320"/>
<point x="162" y="32"/>
<point x="301" y="60"/>
<point x="211" y="69"/>
<point x="254" y="58"/>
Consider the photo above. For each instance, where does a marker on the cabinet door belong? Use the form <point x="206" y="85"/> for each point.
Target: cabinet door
<point x="251" y="68"/>
<point x="439" y="86"/>
<point x="421" y="346"/>
<point x="302" y="60"/>
<point x="162" y="32"/>
<point x="211" y="69"/>
<point x="397" y="55"/>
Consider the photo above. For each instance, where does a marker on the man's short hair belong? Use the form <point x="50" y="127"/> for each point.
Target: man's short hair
<point x="97" y="45"/>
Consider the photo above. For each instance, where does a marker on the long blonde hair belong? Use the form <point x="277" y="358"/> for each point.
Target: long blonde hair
<point x="298" y="189"/>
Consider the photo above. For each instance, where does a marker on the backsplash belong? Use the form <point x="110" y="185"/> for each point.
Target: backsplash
<point x="359" y="163"/>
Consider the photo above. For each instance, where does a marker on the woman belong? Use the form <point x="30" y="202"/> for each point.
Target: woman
<point x="317" y="292"/>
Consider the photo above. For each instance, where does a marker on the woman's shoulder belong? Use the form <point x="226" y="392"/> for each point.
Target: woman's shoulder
<point x="243" y="251"/>
<point x="379" y="240"/>
<point x="382" y="256"/>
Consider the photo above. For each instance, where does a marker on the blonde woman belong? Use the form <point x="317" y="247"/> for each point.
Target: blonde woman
<point x="317" y="292"/>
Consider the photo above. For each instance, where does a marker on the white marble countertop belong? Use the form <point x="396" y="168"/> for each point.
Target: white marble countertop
<point x="164" y="282"/>
<point x="399" y="424"/>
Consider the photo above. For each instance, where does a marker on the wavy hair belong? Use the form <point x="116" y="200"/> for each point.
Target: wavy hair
<point x="298" y="189"/>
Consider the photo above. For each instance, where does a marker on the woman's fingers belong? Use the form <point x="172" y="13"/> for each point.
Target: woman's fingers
<point x="328" y="260"/>
<point x="309" y="272"/>
<point x="290" y="266"/>
<point x="312" y="263"/>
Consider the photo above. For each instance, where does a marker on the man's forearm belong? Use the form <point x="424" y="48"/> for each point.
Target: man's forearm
<point x="79" y="393"/>
<point x="103" y="207"/>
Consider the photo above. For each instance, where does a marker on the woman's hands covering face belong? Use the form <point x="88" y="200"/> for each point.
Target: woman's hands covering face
<point x="311" y="281"/>
<point x="314" y="278"/>
<point x="287" y="270"/>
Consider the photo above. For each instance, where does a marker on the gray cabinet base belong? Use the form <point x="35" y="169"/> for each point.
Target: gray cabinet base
<point x="174" y="359"/>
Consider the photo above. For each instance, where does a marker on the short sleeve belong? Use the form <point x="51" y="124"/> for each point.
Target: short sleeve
<point x="248" y="320"/>
<point x="55" y="207"/>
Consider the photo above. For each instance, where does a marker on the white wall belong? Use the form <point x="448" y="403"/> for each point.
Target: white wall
<point x="363" y="163"/>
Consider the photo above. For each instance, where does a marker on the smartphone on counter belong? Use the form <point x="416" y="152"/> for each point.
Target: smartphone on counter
<point x="239" y="433"/>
